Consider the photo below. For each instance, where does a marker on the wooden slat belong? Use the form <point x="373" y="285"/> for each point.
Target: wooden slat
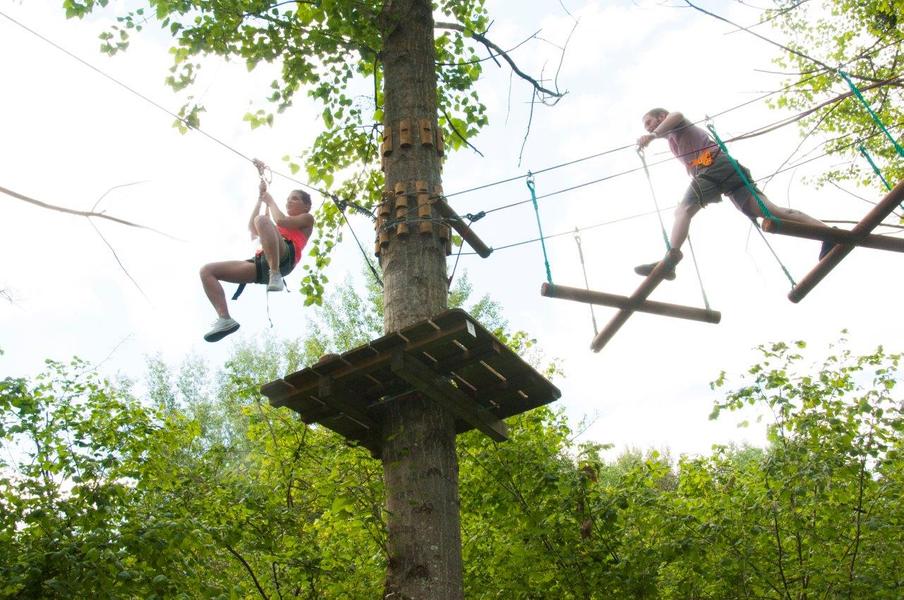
<point x="869" y="222"/>
<point x="832" y="234"/>
<point x="563" y="292"/>
<point x="437" y="388"/>
<point x="672" y="257"/>
<point x="463" y="230"/>
<point x="336" y="397"/>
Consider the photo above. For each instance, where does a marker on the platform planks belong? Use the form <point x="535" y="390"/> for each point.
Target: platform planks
<point x="450" y="358"/>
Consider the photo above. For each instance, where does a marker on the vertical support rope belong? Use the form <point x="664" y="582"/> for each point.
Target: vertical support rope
<point x="533" y="197"/>
<point x="697" y="268"/>
<point x="743" y="177"/>
<point x="665" y="236"/>
<point x="577" y="239"/>
<point x="876" y="170"/>
<point x="898" y="148"/>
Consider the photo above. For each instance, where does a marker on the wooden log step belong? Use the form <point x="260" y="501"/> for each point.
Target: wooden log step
<point x="665" y="309"/>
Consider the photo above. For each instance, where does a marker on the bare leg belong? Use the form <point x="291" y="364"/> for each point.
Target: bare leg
<point x="680" y="229"/>
<point x="233" y="271"/>
<point x="270" y="240"/>
<point x="784" y="214"/>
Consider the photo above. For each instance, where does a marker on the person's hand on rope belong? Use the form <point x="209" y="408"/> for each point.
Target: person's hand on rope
<point x="644" y="140"/>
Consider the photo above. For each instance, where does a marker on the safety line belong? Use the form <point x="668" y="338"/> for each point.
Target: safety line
<point x="577" y="240"/>
<point x="665" y="236"/>
<point x="898" y="148"/>
<point x="869" y="159"/>
<point x="533" y="196"/>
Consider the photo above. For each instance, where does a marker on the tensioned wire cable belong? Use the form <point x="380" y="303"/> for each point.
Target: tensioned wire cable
<point x="484" y="186"/>
<point x="185" y="122"/>
<point x="666" y="160"/>
<point x="626" y="146"/>
<point x="649" y="213"/>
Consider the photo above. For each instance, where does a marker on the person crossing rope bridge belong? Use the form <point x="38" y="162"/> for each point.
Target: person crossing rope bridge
<point x="713" y="174"/>
<point x="283" y="236"/>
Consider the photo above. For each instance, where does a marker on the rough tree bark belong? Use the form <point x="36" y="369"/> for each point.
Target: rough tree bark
<point x="419" y="461"/>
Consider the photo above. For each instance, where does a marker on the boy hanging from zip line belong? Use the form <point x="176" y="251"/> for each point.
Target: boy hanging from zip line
<point x="283" y="236"/>
<point x="712" y="176"/>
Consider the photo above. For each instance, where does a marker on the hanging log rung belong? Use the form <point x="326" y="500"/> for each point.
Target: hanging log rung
<point x="624" y="302"/>
<point x="832" y="234"/>
<point x="672" y="257"/>
<point x="463" y="230"/>
<point x="862" y="229"/>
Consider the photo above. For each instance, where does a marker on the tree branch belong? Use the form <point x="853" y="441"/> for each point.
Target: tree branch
<point x="459" y="135"/>
<point x="248" y="568"/>
<point x="81" y="213"/>
<point x="500" y="52"/>
<point x="765" y="39"/>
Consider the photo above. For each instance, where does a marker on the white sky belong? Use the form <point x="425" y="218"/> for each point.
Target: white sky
<point x="69" y="135"/>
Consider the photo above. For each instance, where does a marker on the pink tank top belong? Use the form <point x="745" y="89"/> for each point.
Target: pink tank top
<point x="687" y="141"/>
<point x="296" y="237"/>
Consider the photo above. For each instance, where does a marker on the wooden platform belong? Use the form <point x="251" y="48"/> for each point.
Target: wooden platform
<point x="450" y="358"/>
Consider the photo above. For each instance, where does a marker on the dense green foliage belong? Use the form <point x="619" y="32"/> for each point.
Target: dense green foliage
<point x="865" y="38"/>
<point x="196" y="488"/>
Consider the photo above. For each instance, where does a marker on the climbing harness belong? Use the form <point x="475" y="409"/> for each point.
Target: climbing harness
<point x="533" y="196"/>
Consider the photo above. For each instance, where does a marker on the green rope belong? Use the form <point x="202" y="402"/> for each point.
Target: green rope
<point x="876" y="170"/>
<point x="665" y="236"/>
<point x="898" y="147"/>
<point x="743" y="177"/>
<point x="533" y="197"/>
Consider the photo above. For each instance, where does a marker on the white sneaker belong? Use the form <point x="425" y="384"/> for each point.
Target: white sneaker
<point x="221" y="328"/>
<point x="276" y="282"/>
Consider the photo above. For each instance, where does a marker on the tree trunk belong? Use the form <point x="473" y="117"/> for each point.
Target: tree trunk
<point x="419" y="461"/>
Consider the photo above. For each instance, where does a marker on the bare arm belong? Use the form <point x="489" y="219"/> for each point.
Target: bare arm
<point x="254" y="213"/>
<point x="672" y="121"/>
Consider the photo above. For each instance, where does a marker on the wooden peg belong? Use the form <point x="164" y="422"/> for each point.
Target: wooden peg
<point x="440" y="146"/>
<point x="402" y="230"/>
<point x="426" y="129"/>
<point x="401" y="204"/>
<point x="386" y="147"/>
<point x="383" y="239"/>
<point x="384" y="208"/>
<point x="405" y="133"/>
<point x="400" y="188"/>
<point x="377" y="248"/>
<point x="424" y="210"/>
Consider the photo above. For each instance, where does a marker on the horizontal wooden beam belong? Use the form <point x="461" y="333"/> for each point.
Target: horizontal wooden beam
<point x="666" y="309"/>
<point x="331" y="394"/>
<point x="672" y="258"/>
<point x="438" y="388"/>
<point x="466" y="233"/>
<point x="832" y="234"/>
<point x="872" y="220"/>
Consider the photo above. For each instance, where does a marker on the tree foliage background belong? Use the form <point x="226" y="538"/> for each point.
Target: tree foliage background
<point x="190" y="486"/>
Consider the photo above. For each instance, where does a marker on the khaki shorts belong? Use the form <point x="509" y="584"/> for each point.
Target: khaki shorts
<point x="709" y="184"/>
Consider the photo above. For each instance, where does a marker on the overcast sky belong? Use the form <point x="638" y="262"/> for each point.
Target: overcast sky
<point x="70" y="135"/>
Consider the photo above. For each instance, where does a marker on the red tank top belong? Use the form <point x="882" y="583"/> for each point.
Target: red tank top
<point x="296" y="237"/>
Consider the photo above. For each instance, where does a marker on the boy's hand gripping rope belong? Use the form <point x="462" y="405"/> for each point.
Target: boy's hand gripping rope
<point x="533" y="197"/>
<point x="898" y="148"/>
